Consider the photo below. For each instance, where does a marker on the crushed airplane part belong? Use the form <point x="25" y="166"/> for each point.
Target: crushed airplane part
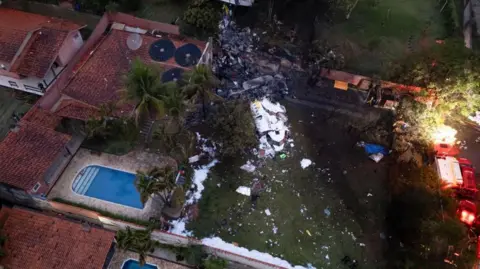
<point x="270" y="121"/>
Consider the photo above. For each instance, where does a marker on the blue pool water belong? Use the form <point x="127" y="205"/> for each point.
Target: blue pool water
<point x="132" y="264"/>
<point x="108" y="184"/>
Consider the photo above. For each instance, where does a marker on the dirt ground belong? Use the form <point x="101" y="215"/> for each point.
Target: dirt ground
<point x="318" y="215"/>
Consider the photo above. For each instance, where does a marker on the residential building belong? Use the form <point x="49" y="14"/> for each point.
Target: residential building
<point x="35" y="49"/>
<point x="36" y="240"/>
<point x="35" y="153"/>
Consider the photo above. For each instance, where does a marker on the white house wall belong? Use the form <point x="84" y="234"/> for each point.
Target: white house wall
<point x="30" y="84"/>
<point x="72" y="44"/>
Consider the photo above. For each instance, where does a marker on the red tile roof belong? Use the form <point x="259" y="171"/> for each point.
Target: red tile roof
<point x="71" y="108"/>
<point x="41" y="48"/>
<point x="10" y="41"/>
<point x="39" y="53"/>
<point x="26" y="154"/>
<point x="38" y="241"/>
<point x="42" y="118"/>
<point x="113" y="58"/>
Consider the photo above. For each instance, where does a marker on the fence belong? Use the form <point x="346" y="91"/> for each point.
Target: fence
<point x="160" y="236"/>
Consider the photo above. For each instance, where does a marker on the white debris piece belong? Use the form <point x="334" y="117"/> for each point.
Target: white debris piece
<point x="178" y="227"/>
<point x="369" y="195"/>
<point x="199" y="176"/>
<point x="194" y="159"/>
<point x="267" y="212"/>
<point x="327" y="257"/>
<point x="278" y="148"/>
<point x="305" y="163"/>
<point x="376" y="157"/>
<point x="476" y="117"/>
<point x="274" y="108"/>
<point x="218" y="243"/>
<point x="327" y="212"/>
<point x="249" y="167"/>
<point x="270" y="122"/>
<point x="279" y="135"/>
<point x="244" y="190"/>
<point x="361" y="244"/>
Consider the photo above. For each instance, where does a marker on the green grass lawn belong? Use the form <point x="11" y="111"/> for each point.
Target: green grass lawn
<point x="319" y="215"/>
<point x="381" y="31"/>
<point x="166" y="11"/>
<point x="8" y="105"/>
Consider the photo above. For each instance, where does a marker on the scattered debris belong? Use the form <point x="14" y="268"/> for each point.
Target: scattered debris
<point x="199" y="177"/>
<point x="369" y="195"/>
<point x="267" y="212"/>
<point x="249" y="167"/>
<point x="244" y="190"/>
<point x="305" y="163"/>
<point x="245" y="73"/>
<point x="308" y="232"/>
<point x="270" y="122"/>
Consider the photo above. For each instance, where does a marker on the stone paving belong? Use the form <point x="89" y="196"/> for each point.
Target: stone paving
<point x="131" y="162"/>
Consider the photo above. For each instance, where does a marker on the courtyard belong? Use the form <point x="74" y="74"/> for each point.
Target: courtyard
<point x="318" y="215"/>
<point x="10" y="105"/>
<point x="129" y="163"/>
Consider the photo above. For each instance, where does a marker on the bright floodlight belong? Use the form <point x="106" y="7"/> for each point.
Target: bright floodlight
<point x="134" y="41"/>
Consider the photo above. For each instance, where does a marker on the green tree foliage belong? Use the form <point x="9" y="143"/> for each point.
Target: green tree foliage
<point x="178" y="197"/>
<point x="111" y="134"/>
<point x="157" y="181"/>
<point x="138" y="241"/>
<point x="214" y="262"/>
<point x="234" y="128"/>
<point x="142" y="86"/>
<point x="100" y="6"/>
<point x="200" y="85"/>
<point x="421" y="120"/>
<point x="451" y="70"/>
<point x="200" y="19"/>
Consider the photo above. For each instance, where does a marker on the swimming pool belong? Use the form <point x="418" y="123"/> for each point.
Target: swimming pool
<point x="107" y="184"/>
<point x="132" y="264"/>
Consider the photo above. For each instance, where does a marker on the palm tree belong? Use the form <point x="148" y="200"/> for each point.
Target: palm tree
<point x="174" y="102"/>
<point x="137" y="240"/>
<point x="157" y="181"/>
<point x="201" y="82"/>
<point x="143" y="86"/>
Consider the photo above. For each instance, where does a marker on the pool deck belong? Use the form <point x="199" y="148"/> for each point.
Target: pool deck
<point x="131" y="162"/>
<point x="121" y="256"/>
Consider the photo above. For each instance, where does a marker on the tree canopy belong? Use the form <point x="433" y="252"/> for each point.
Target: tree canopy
<point x="233" y="125"/>
<point x="450" y="70"/>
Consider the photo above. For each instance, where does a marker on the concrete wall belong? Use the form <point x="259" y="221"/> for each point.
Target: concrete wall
<point x="161" y="236"/>
<point x="28" y="84"/>
<point x="144" y="24"/>
<point x="72" y="44"/>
